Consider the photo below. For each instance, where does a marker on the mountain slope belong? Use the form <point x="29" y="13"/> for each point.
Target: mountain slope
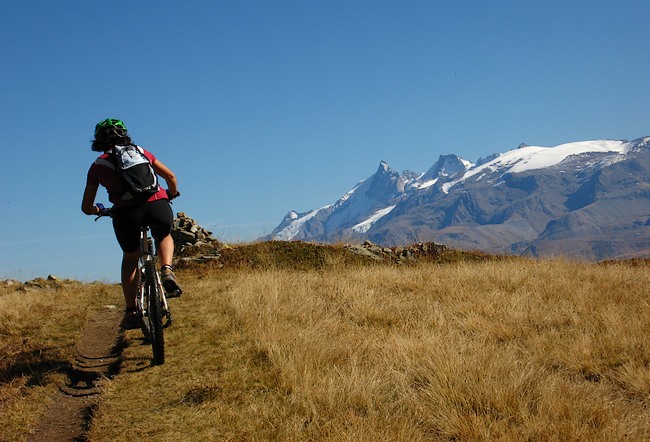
<point x="587" y="199"/>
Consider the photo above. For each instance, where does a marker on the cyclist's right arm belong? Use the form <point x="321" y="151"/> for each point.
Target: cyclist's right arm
<point x="168" y="176"/>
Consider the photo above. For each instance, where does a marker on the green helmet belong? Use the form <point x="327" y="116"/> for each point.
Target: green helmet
<point x="111" y="126"/>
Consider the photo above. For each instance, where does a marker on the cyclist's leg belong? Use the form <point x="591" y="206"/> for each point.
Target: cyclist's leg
<point x="127" y="232"/>
<point x="130" y="277"/>
<point x="161" y="218"/>
<point x="166" y="251"/>
<point x="166" y="254"/>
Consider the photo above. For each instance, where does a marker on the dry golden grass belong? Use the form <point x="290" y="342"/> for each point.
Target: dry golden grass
<point x="510" y="350"/>
<point x="517" y="350"/>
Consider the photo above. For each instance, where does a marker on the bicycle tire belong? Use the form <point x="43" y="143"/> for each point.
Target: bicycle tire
<point x="154" y="317"/>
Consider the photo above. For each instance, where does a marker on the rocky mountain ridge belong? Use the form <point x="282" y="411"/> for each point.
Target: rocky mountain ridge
<point x="587" y="199"/>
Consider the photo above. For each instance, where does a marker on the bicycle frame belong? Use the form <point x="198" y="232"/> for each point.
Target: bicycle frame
<point x="151" y="301"/>
<point x="147" y="254"/>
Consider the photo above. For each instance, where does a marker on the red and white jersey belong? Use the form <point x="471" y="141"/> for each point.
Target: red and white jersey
<point x="102" y="172"/>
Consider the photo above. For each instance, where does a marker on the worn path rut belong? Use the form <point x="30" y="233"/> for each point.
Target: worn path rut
<point x="98" y="359"/>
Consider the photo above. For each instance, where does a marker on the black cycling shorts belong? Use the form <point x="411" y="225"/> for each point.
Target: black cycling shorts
<point x="127" y="220"/>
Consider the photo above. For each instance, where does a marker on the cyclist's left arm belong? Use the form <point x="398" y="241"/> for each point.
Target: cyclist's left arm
<point x="88" y="202"/>
<point x="168" y="176"/>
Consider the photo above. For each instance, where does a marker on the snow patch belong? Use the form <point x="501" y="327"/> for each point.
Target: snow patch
<point x="426" y="184"/>
<point x="364" y="226"/>
<point x="538" y="157"/>
<point x="467" y="164"/>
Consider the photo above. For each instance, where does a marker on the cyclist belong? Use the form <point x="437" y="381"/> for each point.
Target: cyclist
<point x="129" y="214"/>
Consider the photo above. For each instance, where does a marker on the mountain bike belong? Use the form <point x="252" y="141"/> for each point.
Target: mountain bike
<point x="151" y="302"/>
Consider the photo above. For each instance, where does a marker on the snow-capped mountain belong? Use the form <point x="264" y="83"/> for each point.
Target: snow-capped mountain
<point x="587" y="199"/>
<point x="352" y="212"/>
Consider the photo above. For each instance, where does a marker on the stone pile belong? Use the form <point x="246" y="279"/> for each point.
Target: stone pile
<point x="187" y="232"/>
<point x="193" y="243"/>
<point x="398" y="255"/>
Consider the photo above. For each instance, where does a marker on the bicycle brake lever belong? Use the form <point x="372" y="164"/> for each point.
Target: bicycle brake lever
<point x="103" y="211"/>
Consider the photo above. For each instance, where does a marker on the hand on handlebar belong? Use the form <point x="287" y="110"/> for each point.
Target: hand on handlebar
<point x="103" y="211"/>
<point x="170" y="196"/>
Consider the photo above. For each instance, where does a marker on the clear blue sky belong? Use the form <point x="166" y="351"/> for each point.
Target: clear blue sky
<point x="261" y="107"/>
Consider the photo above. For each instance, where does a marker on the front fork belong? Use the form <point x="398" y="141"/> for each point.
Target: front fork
<point x="141" y="299"/>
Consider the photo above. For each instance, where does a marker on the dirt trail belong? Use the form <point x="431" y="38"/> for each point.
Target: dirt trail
<point x="98" y="359"/>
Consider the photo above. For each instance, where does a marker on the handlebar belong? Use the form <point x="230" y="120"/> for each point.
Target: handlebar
<point x="108" y="211"/>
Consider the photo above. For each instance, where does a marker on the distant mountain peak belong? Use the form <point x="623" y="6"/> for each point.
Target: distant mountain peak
<point x="447" y="167"/>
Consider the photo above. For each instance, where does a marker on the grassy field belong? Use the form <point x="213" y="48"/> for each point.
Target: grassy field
<point x="503" y="349"/>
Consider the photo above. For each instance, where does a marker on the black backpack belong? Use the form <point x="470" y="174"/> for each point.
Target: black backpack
<point x="136" y="171"/>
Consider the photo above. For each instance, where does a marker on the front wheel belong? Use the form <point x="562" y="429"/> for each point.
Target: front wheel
<point x="154" y="316"/>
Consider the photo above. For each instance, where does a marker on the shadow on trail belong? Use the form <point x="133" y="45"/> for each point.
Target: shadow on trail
<point x="35" y="363"/>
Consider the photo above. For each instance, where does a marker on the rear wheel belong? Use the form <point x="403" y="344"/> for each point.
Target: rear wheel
<point x="154" y="317"/>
